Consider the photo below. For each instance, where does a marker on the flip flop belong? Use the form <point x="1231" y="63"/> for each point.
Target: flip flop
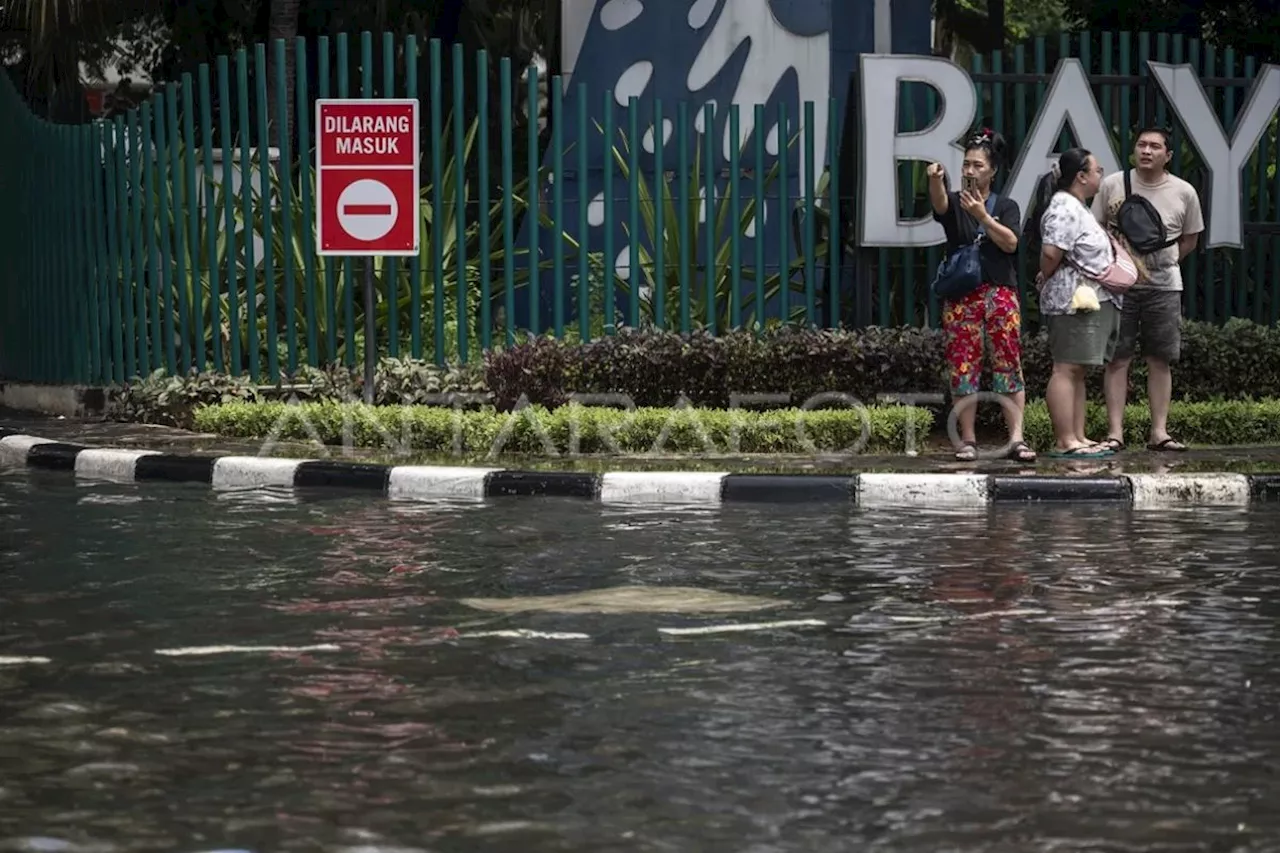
<point x="1082" y="452"/>
<point x="1115" y="445"/>
<point x="1169" y="445"/>
<point x="968" y="451"/>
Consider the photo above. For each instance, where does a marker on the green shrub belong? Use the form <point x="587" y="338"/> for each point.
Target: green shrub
<point x="171" y="400"/>
<point x="161" y="398"/>
<point x="573" y="428"/>
<point x="1238" y="360"/>
<point x="654" y="368"/>
<point x="1232" y="422"/>
<point x="396" y="381"/>
<point x="658" y="368"/>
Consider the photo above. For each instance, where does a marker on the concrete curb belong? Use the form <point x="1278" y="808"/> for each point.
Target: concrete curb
<point x="67" y="401"/>
<point x="691" y="488"/>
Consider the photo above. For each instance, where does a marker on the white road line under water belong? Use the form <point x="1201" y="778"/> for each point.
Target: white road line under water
<point x="510" y="633"/>
<point x="20" y="660"/>
<point x="741" y="626"/>
<point x="526" y="634"/>
<point x="188" y="651"/>
<point x="969" y="617"/>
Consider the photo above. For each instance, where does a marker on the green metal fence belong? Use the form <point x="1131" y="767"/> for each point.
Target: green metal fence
<point x="179" y="235"/>
<point x="156" y="239"/>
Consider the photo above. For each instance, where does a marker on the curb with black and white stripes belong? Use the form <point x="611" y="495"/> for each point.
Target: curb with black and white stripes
<point x="431" y="482"/>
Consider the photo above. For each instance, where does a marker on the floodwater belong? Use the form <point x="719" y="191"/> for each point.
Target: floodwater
<point x="189" y="671"/>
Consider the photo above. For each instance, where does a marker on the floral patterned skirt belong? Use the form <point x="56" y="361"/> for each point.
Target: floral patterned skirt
<point x="989" y="312"/>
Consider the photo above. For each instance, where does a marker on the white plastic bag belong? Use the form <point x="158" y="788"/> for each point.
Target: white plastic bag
<point x="1085" y="299"/>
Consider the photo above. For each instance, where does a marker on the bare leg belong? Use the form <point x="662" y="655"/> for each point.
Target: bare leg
<point x="1116" y="387"/>
<point x="1013" y="414"/>
<point x="966" y="417"/>
<point x="1061" y="396"/>
<point x="1160" y="392"/>
<point x="1081" y="401"/>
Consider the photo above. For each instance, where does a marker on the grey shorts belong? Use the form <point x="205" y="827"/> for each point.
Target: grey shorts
<point x="1151" y="321"/>
<point x="1088" y="337"/>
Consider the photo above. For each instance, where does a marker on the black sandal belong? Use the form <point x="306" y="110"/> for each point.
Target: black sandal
<point x="968" y="451"/>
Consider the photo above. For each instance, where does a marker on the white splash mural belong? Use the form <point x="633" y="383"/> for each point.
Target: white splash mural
<point x="773" y="51"/>
<point x="706" y="54"/>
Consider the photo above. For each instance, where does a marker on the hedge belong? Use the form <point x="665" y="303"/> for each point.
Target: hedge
<point x="573" y="428"/>
<point x="1231" y="422"/>
<point x="172" y="400"/>
<point x="656" y="369"/>
<point x="1238" y="360"/>
<point x="599" y="430"/>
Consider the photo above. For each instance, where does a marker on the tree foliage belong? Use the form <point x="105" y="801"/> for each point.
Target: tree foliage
<point x="985" y="26"/>
<point x="1250" y="27"/>
<point x="160" y="39"/>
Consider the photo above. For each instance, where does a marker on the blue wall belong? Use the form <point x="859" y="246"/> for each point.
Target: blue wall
<point x="770" y="52"/>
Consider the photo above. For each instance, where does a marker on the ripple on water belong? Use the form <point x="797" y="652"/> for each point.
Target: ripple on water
<point x="1010" y="678"/>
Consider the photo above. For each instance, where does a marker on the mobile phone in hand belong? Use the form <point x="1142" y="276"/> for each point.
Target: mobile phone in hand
<point x="969" y="184"/>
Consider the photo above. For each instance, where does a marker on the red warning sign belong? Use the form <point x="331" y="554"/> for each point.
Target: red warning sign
<point x="367" y="197"/>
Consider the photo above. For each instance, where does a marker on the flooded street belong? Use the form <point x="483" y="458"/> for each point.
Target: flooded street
<point x="182" y="670"/>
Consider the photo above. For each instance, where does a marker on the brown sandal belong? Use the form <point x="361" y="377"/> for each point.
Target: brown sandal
<point x="1020" y="452"/>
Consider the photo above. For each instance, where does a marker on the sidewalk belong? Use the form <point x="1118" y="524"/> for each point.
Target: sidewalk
<point x="932" y="460"/>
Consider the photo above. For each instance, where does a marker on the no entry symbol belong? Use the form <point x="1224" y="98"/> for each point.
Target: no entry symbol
<point x="367" y="210"/>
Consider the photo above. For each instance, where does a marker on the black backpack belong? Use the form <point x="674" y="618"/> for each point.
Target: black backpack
<point x="1141" y="223"/>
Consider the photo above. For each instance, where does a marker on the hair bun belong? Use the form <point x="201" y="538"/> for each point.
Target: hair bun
<point x="992" y="141"/>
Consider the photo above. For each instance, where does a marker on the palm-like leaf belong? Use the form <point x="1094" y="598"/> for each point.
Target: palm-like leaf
<point x="56" y="31"/>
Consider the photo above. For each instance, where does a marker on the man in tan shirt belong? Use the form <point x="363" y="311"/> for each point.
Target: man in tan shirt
<point x="1152" y="312"/>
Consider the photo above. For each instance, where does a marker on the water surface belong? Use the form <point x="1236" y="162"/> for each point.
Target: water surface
<point x="1019" y="678"/>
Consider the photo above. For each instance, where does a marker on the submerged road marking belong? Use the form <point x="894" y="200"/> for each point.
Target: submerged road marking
<point x="510" y="633"/>
<point x="524" y="633"/>
<point x="966" y="617"/>
<point x="747" y="626"/>
<point x="187" y="651"/>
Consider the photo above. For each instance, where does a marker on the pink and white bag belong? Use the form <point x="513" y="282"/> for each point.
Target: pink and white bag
<point x="1123" y="273"/>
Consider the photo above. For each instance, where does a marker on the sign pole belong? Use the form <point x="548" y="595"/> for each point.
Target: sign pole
<point x="370" y="333"/>
<point x="367" y="192"/>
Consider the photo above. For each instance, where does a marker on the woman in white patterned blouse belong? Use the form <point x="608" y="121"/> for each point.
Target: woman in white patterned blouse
<point x="1074" y="252"/>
